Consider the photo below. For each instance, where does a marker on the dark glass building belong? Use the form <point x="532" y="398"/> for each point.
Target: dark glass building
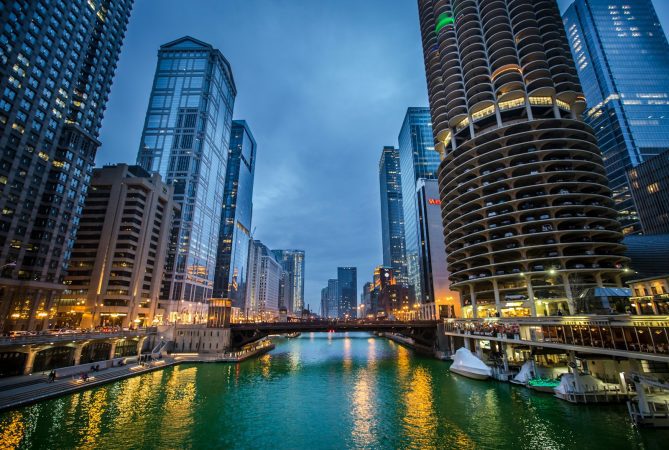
<point x="433" y="267"/>
<point x="185" y="139"/>
<point x="292" y="282"/>
<point x="622" y="59"/>
<point x="527" y="213"/>
<point x="649" y="182"/>
<point x="57" y="61"/>
<point x="417" y="160"/>
<point x="392" y="213"/>
<point x="347" y="282"/>
<point x="235" y="235"/>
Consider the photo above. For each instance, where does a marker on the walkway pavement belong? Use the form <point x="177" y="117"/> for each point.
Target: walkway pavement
<point x="18" y="391"/>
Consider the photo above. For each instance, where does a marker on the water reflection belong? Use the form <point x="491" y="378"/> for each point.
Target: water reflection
<point x="12" y="430"/>
<point x="420" y="420"/>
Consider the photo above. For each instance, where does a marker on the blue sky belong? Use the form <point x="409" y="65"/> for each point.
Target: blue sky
<point x="324" y="86"/>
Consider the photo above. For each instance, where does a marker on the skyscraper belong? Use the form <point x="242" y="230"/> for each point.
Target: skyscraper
<point x="262" y="295"/>
<point x="392" y="213"/>
<point x="117" y="260"/>
<point x="235" y="235"/>
<point x="433" y="267"/>
<point x="292" y="263"/>
<point x="649" y="183"/>
<point x="333" y="298"/>
<point x="529" y="222"/>
<point x="57" y="61"/>
<point x="622" y="59"/>
<point x="417" y="160"/>
<point x="185" y="139"/>
<point x="347" y="280"/>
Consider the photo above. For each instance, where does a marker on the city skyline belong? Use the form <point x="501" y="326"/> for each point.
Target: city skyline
<point x="335" y="222"/>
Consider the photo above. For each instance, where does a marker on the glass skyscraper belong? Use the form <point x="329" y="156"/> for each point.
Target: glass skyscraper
<point x="622" y="59"/>
<point x="57" y="61"/>
<point x="185" y="139"/>
<point x="392" y="214"/>
<point x="347" y="283"/>
<point x="292" y="292"/>
<point x="233" y="240"/>
<point x="418" y="159"/>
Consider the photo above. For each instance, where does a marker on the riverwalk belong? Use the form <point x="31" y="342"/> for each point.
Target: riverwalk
<point x="23" y="390"/>
<point x="27" y="389"/>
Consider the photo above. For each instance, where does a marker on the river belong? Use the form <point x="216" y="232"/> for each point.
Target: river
<point x="319" y="391"/>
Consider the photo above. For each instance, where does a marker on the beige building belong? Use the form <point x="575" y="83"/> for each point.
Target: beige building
<point x="117" y="262"/>
<point x="650" y="295"/>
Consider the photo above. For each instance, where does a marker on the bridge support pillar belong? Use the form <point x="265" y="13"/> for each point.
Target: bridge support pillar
<point x="112" y="350"/>
<point x="78" y="349"/>
<point x="30" y="361"/>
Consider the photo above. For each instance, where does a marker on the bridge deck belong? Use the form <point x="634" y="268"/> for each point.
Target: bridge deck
<point x="315" y="326"/>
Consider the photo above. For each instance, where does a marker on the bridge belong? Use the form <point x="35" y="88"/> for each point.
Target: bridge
<point x="423" y="332"/>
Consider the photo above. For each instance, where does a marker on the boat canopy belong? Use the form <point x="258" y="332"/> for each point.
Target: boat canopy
<point x="464" y="359"/>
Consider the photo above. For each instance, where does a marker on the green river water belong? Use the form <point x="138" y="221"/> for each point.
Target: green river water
<point x="320" y="391"/>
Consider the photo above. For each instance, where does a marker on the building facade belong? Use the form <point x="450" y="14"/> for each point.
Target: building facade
<point x="185" y="139"/>
<point x="116" y="269"/>
<point x="292" y="289"/>
<point x="528" y="216"/>
<point x="57" y="61"/>
<point x="622" y="59"/>
<point x="235" y="235"/>
<point x="262" y="295"/>
<point x="392" y="212"/>
<point x="347" y="280"/>
<point x="649" y="183"/>
<point x="332" y="311"/>
<point x="417" y="160"/>
<point x="433" y="267"/>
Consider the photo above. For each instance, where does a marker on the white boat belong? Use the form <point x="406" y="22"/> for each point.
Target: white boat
<point x="524" y="375"/>
<point x="465" y="363"/>
<point x="584" y="388"/>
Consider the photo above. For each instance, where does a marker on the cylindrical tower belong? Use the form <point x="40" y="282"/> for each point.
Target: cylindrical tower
<point x="527" y="214"/>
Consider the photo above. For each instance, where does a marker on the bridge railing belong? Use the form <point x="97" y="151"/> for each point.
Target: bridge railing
<point x="8" y="341"/>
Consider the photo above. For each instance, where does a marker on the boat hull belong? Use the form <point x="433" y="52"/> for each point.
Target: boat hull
<point x="468" y="374"/>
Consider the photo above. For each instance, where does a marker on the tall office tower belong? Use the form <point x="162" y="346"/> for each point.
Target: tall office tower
<point x="529" y="223"/>
<point x="262" y="295"/>
<point x="292" y="292"/>
<point x="185" y="139"/>
<point x="622" y="59"/>
<point x="235" y="235"/>
<point x="324" y="302"/>
<point x="366" y="306"/>
<point x="433" y="267"/>
<point x="649" y="182"/>
<point x="347" y="280"/>
<point x="118" y="257"/>
<point x="57" y="61"/>
<point x="392" y="213"/>
<point x="333" y="298"/>
<point x="417" y="160"/>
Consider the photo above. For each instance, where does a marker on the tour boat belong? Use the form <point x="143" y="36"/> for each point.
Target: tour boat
<point x="465" y="363"/>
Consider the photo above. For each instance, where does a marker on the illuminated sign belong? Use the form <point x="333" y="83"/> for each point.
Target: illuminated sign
<point x="433" y="201"/>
